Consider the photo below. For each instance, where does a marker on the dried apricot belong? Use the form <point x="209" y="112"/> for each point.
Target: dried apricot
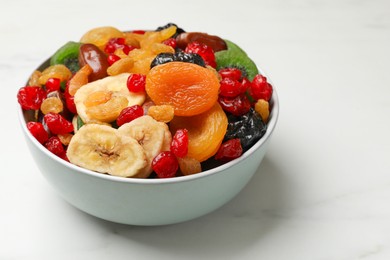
<point x="189" y="88"/>
<point x="205" y="132"/>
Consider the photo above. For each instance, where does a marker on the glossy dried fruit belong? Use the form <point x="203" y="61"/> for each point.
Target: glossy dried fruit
<point x="189" y="88"/>
<point x="179" y="144"/>
<point x="31" y="97"/>
<point x="38" y="131"/>
<point x="204" y="51"/>
<point x="237" y="106"/>
<point x="260" y="88"/>
<point x="205" y="132"/>
<point x="96" y="59"/>
<point x="108" y="111"/>
<point x="52" y="84"/>
<point x="79" y="79"/>
<point x="55" y="71"/>
<point x="229" y="150"/>
<point x="123" y="65"/>
<point x="128" y="114"/>
<point x="136" y="83"/>
<point x="165" y="165"/>
<point x="162" y="113"/>
<point x="101" y="35"/>
<point x="178" y="56"/>
<point x="57" y="124"/>
<point x="52" y="105"/>
<point x="189" y="166"/>
<point x="262" y="108"/>
<point x="55" y="146"/>
<point x="249" y="128"/>
<point x="215" y="42"/>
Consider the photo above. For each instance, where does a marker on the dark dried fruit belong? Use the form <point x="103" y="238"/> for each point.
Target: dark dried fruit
<point x="179" y="56"/>
<point x="249" y="128"/>
<point x="215" y="42"/>
<point x="178" y="30"/>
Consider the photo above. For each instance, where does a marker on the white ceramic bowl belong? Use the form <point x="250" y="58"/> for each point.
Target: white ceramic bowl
<point x="150" y="201"/>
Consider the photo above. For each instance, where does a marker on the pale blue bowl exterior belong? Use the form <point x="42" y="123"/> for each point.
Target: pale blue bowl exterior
<point x="149" y="202"/>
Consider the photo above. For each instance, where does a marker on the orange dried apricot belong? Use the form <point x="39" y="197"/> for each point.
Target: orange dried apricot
<point x="189" y="88"/>
<point x="205" y="132"/>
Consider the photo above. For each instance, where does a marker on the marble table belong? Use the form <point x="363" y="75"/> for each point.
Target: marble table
<point x="323" y="189"/>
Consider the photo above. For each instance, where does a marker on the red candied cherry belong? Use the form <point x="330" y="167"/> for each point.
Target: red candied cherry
<point x="136" y="83"/>
<point x="69" y="100"/>
<point x="127" y="48"/>
<point x="229" y="150"/>
<point x="237" y="106"/>
<point x="231" y="73"/>
<point x="260" y="88"/>
<point x="53" y="84"/>
<point x="179" y="144"/>
<point x="57" y="124"/>
<point x="171" y="42"/>
<point x="204" y="51"/>
<point x="165" y="164"/>
<point x="230" y="87"/>
<point x="30" y="97"/>
<point x="112" y="58"/>
<point x="128" y="114"/>
<point x="38" y="131"/>
<point x="55" y="146"/>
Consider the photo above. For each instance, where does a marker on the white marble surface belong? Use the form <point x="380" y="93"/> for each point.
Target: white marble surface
<point x="323" y="189"/>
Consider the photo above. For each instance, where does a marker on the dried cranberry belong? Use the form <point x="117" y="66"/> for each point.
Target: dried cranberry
<point x="165" y="164"/>
<point x="69" y="100"/>
<point x="127" y="48"/>
<point x="57" y="124"/>
<point x="139" y="31"/>
<point x="31" y="97"/>
<point x="128" y="114"/>
<point x="260" y="88"/>
<point x="231" y="73"/>
<point x="136" y="83"/>
<point x="38" y="131"/>
<point x="52" y="84"/>
<point x="55" y="146"/>
<point x="179" y="144"/>
<point x="237" y="106"/>
<point x="229" y="150"/>
<point x="170" y="42"/>
<point x="117" y="43"/>
<point x="112" y="58"/>
<point x="204" y="51"/>
<point x="230" y="87"/>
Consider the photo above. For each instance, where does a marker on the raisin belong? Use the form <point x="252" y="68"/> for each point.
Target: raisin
<point x="249" y="128"/>
<point x="179" y="56"/>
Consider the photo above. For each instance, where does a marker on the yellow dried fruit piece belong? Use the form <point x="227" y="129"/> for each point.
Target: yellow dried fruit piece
<point x="121" y="66"/>
<point x="162" y="113"/>
<point x="158" y="48"/>
<point x="133" y="39"/>
<point x="262" y="107"/>
<point x="109" y="111"/>
<point x="59" y="71"/>
<point x="79" y="79"/>
<point x="65" y="138"/>
<point x="101" y="35"/>
<point x="34" y="78"/>
<point x="97" y="98"/>
<point x="189" y="165"/>
<point x="151" y="37"/>
<point x="53" y="105"/>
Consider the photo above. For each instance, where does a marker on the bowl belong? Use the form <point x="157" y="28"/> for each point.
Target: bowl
<point x="149" y="202"/>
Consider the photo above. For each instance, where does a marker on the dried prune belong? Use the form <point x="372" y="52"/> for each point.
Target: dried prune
<point x="249" y="128"/>
<point x="179" y="56"/>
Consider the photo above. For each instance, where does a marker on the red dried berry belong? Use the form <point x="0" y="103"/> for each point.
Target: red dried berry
<point x="53" y="84"/>
<point x="128" y="114"/>
<point x="204" y="51"/>
<point x="31" y="97"/>
<point x="171" y="42"/>
<point x="69" y="100"/>
<point x="38" y="131"/>
<point x="57" y="124"/>
<point x="112" y="58"/>
<point x="230" y="87"/>
<point x="231" y="73"/>
<point x="55" y="146"/>
<point x="179" y="144"/>
<point x="139" y="31"/>
<point x="127" y="48"/>
<point x="165" y="164"/>
<point x="260" y="88"/>
<point x="245" y="84"/>
<point x="229" y="150"/>
<point x="136" y="83"/>
<point x="237" y="106"/>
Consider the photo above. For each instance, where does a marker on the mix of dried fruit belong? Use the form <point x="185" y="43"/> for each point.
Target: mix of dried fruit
<point x="147" y="104"/>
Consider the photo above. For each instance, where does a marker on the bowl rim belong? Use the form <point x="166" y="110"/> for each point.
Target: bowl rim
<point x="271" y="124"/>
